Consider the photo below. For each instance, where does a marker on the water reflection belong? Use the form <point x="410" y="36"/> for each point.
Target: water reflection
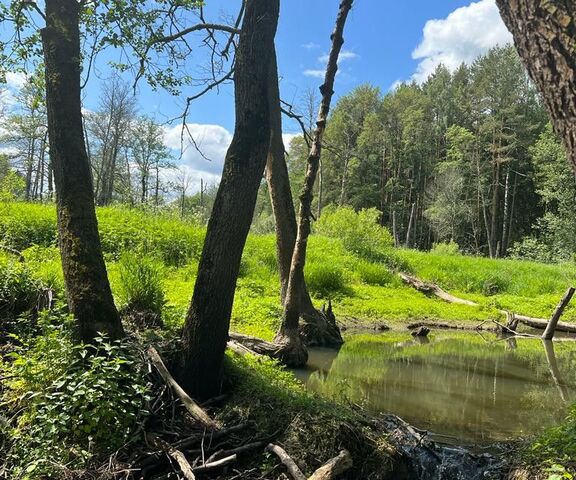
<point x="456" y="385"/>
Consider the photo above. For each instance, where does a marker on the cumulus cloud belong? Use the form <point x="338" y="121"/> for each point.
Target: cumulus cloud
<point x="462" y="36"/>
<point x="345" y="55"/>
<point x="212" y="140"/>
<point x="310" y="46"/>
<point x="287" y="138"/>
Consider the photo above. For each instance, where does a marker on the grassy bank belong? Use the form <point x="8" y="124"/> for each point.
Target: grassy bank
<point x="351" y="264"/>
<point x="154" y="258"/>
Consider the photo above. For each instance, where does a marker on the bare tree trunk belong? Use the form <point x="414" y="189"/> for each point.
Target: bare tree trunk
<point x="315" y="327"/>
<point x="294" y="352"/>
<point x="87" y="287"/>
<point x="206" y="329"/>
<point x="504" y="241"/>
<point x="409" y="230"/>
<point x="545" y="36"/>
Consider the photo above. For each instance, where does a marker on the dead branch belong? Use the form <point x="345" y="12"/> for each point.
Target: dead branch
<point x="552" y="325"/>
<point x="290" y="464"/>
<point x="333" y="467"/>
<point x="176" y="455"/>
<point x="216" y="464"/>
<point x="193" y="408"/>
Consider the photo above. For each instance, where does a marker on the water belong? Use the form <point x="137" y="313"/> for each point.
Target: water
<point x="462" y="387"/>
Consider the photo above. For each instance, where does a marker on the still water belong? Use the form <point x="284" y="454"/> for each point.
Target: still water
<point x="463" y="387"/>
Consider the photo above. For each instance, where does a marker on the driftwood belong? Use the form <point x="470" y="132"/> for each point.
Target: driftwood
<point x="421" y="332"/>
<point x="193" y="408"/>
<point x="177" y="455"/>
<point x="445" y="326"/>
<point x="290" y="464"/>
<point x="429" y="288"/>
<point x="334" y="467"/>
<point x="216" y="464"/>
<point x="553" y="324"/>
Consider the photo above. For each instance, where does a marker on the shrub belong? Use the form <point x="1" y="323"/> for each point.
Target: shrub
<point x="24" y="224"/>
<point x="324" y="280"/>
<point x="18" y="289"/>
<point x="360" y="231"/>
<point x="72" y="402"/>
<point x="140" y="284"/>
<point x="374" y="273"/>
<point x="450" y="248"/>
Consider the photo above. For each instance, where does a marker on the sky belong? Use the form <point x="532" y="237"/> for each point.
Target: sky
<point x="386" y="43"/>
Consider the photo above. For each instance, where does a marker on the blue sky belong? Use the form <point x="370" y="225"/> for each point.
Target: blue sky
<point x="385" y="43"/>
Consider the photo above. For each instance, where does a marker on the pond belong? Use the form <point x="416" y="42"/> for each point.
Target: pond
<point x="463" y="387"/>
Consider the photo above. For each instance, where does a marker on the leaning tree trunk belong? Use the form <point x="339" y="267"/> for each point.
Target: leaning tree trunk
<point x="87" y="287"/>
<point x="545" y="36"/>
<point x="294" y="352"/>
<point x="206" y="328"/>
<point x="316" y="328"/>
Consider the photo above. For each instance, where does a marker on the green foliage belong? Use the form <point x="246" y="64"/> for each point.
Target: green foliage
<point x="374" y="273"/>
<point x="19" y="290"/>
<point x="140" y="284"/>
<point x="360" y="231"/>
<point x="70" y="403"/>
<point x="325" y="280"/>
<point x="450" y="248"/>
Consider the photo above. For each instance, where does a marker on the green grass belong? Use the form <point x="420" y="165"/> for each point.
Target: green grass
<point x="358" y="285"/>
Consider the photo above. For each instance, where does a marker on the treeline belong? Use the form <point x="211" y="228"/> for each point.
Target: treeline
<point x="467" y="157"/>
<point x="130" y="162"/>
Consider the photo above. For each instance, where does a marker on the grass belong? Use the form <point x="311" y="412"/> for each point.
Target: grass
<point x="354" y="269"/>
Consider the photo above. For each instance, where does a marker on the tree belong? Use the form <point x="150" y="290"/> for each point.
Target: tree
<point x="207" y="322"/>
<point x="293" y="351"/>
<point x="545" y="36"/>
<point x="315" y="327"/>
<point x="87" y="288"/>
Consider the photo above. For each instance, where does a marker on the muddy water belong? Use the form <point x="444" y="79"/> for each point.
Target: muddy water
<point x="462" y="387"/>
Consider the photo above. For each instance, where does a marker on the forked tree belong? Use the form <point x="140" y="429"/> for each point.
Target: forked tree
<point x="544" y="33"/>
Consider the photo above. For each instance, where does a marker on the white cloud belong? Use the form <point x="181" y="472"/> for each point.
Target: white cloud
<point x="310" y="46"/>
<point x="462" y="36"/>
<point x="344" y="56"/>
<point x="287" y="138"/>
<point x="394" y="86"/>
<point x="15" y="80"/>
<point x="314" y="73"/>
<point x="212" y="140"/>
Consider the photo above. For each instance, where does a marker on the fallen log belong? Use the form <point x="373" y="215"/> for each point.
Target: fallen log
<point x="216" y="464"/>
<point x="193" y="408"/>
<point x="334" y="467"/>
<point x="429" y="288"/>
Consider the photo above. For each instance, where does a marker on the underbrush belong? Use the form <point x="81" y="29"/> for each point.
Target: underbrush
<point x="65" y="407"/>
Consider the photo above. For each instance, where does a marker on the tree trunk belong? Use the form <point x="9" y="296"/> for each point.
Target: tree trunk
<point x="315" y="327"/>
<point x="545" y="36"/>
<point x="506" y="215"/>
<point x="87" y="287"/>
<point x="295" y="353"/>
<point x="206" y="329"/>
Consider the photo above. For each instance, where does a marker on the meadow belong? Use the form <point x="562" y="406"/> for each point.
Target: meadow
<point x="351" y="262"/>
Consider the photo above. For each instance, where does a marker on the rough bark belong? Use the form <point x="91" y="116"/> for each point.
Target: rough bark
<point x="296" y="353"/>
<point x="87" y="287"/>
<point x="552" y="325"/>
<point x="315" y="327"/>
<point x="544" y="33"/>
<point x="206" y="329"/>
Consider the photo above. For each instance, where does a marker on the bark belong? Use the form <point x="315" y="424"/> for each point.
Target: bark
<point x="206" y="329"/>
<point x="296" y="354"/>
<point x="551" y="328"/>
<point x="87" y="287"/>
<point x="315" y="327"/>
<point x="544" y="33"/>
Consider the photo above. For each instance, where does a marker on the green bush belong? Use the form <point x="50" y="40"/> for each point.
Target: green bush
<point x="360" y="232"/>
<point x="140" y="283"/>
<point x="69" y="403"/>
<point x="26" y="224"/>
<point x="449" y="248"/>
<point x="374" y="273"/>
<point x="19" y="289"/>
<point x="324" y="280"/>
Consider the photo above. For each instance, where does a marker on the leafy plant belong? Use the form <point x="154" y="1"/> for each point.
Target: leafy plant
<point x="324" y="280"/>
<point x="71" y="402"/>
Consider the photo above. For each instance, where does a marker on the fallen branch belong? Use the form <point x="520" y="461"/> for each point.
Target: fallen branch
<point x="216" y="464"/>
<point x="429" y="288"/>
<point x="193" y="408"/>
<point x="13" y="251"/>
<point x="290" y="464"/>
<point x="177" y="455"/>
<point x="334" y="467"/>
